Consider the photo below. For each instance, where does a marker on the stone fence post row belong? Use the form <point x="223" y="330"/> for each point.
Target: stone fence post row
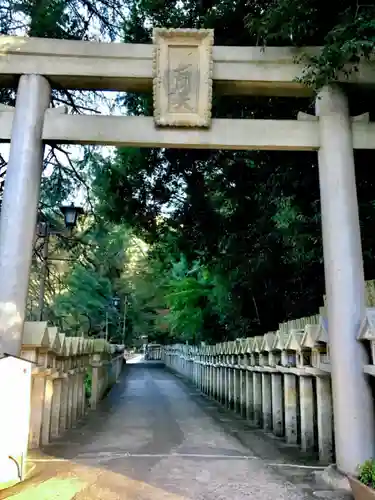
<point x="280" y="381"/>
<point x="62" y="368"/>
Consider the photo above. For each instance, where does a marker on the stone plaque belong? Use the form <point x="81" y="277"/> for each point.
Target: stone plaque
<point x="182" y="71"/>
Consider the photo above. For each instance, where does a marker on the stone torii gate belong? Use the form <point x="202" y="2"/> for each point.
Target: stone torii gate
<point x="181" y="66"/>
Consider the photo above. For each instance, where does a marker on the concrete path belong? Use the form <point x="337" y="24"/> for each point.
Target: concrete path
<point x="156" y="438"/>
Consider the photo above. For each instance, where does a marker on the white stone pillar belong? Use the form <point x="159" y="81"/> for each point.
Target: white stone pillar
<point x="344" y="277"/>
<point x="257" y="395"/>
<point x="290" y="405"/>
<point x="19" y="207"/>
<point x="324" y="418"/>
<point x="266" y="401"/>
<point x="306" y="405"/>
<point x="277" y="404"/>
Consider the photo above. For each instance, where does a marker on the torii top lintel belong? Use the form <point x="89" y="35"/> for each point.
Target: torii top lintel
<point x="129" y="67"/>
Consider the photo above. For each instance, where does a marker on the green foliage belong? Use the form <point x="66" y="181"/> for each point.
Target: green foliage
<point x="346" y="34"/>
<point x="366" y="473"/>
<point x="187" y="300"/>
<point x="233" y="237"/>
<point x="97" y="274"/>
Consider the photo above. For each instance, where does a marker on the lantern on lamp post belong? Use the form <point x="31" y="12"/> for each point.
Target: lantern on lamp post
<point x="71" y="214"/>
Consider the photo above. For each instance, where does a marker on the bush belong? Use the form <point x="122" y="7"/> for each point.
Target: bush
<point x="366" y="473"/>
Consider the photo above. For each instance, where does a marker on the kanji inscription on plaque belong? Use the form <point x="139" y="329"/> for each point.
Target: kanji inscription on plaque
<point x="182" y="77"/>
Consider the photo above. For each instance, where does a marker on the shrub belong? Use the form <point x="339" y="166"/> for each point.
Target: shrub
<point x="366" y="473"/>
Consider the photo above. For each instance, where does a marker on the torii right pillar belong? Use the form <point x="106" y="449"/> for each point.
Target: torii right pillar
<point x="344" y="277"/>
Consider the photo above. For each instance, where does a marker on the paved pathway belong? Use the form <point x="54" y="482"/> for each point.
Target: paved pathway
<point x="156" y="438"/>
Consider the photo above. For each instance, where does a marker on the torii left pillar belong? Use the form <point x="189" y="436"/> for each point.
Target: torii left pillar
<point x="19" y="207"/>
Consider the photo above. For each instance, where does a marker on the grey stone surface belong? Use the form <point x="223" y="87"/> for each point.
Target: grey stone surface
<point x="155" y="437"/>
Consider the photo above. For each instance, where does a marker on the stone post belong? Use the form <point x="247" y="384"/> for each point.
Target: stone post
<point x="19" y="207"/>
<point x="211" y="377"/>
<point x="201" y="374"/>
<point x="222" y="381"/>
<point x="243" y="387"/>
<point x="96" y="382"/>
<point x="37" y="408"/>
<point x="71" y="376"/>
<point x="324" y="418"/>
<point x="266" y="401"/>
<point x="205" y="375"/>
<point x="257" y="395"/>
<point x="237" y="390"/>
<point x="56" y="405"/>
<point x="63" y="418"/>
<point x="225" y="382"/>
<point x="307" y="413"/>
<point x="249" y="396"/>
<point x="47" y="410"/>
<point x="277" y="404"/>
<point x="343" y="264"/>
<point x="218" y="379"/>
<point x="290" y="405"/>
<point x="230" y="383"/>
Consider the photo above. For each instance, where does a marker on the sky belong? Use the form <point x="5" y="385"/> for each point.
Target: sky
<point x="103" y="106"/>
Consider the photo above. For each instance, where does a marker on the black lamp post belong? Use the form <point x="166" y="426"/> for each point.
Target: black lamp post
<point x="71" y="214"/>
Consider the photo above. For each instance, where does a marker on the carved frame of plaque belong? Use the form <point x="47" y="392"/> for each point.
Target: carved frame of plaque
<point x="182" y="77"/>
